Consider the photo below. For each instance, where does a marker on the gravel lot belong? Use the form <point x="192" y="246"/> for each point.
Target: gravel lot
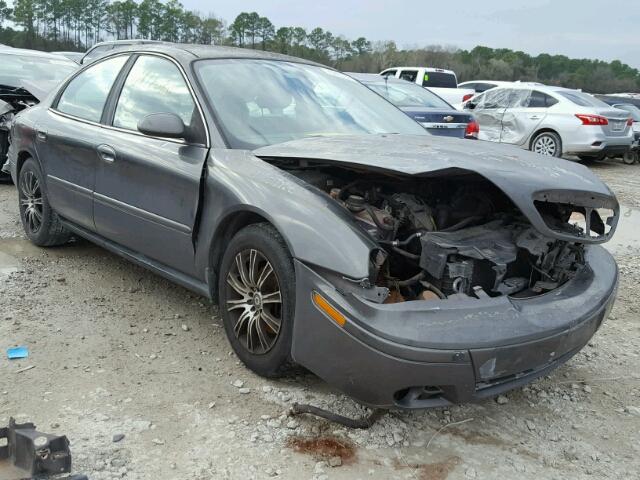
<point x="119" y="351"/>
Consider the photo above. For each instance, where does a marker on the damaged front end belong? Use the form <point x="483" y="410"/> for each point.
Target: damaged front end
<point x="459" y="236"/>
<point x="12" y="101"/>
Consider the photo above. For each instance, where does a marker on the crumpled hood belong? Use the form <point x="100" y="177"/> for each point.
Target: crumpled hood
<point x="522" y="175"/>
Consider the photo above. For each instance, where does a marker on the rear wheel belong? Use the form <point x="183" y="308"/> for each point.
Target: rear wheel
<point x="547" y="143"/>
<point x="41" y="223"/>
<point x="257" y="299"/>
<point x="630" y="157"/>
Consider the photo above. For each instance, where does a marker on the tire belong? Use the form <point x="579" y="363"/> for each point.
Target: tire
<point x="260" y="332"/>
<point x="630" y="157"/>
<point x="547" y="143"/>
<point x="40" y="222"/>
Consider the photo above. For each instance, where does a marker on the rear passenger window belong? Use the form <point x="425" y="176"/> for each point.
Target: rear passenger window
<point x="86" y="94"/>
<point x="409" y="75"/>
<point x="154" y="85"/>
<point x="541" y="100"/>
<point x="389" y="73"/>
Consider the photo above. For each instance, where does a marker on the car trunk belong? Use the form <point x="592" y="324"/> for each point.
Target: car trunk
<point x="448" y="123"/>
<point x="617" y="122"/>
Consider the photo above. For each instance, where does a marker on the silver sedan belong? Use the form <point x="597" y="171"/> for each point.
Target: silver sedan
<point x="552" y="121"/>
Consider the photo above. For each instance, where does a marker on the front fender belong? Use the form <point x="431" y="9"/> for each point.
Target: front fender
<point x="316" y="229"/>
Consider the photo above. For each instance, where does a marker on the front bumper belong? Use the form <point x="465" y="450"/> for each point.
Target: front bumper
<point x="436" y="353"/>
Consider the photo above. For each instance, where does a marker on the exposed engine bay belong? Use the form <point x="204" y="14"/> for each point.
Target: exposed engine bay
<point x="12" y="101"/>
<point x="451" y="237"/>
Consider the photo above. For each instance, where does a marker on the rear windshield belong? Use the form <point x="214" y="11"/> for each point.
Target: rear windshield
<point x="404" y="94"/>
<point x="582" y="99"/>
<point x="440" y="80"/>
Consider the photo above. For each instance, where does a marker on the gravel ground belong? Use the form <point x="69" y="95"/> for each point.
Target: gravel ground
<point x="137" y="372"/>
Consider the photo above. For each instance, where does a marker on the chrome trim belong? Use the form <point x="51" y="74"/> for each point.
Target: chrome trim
<point x="141" y="213"/>
<point x="443" y="125"/>
<point x="72" y="186"/>
<point x="111" y="127"/>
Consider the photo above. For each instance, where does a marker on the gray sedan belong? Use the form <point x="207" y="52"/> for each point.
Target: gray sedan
<point x="406" y="269"/>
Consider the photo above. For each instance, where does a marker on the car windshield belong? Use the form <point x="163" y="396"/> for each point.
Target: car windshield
<point x="404" y="94"/>
<point x="632" y="109"/>
<point x="582" y="99"/>
<point x="16" y="69"/>
<point x="263" y="102"/>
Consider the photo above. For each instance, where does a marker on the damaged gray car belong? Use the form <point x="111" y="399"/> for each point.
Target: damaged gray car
<point x="407" y="270"/>
<point x="26" y="77"/>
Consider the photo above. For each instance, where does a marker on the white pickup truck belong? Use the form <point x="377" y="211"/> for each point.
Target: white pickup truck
<point x="443" y="83"/>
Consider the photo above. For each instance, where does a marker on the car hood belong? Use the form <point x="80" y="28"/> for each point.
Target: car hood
<point x="523" y="176"/>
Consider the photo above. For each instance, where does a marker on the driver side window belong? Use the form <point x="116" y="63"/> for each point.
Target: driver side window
<point x="154" y="85"/>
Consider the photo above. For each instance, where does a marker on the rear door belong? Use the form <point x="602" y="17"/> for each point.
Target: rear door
<point x="527" y="109"/>
<point x="66" y="141"/>
<point x="147" y="189"/>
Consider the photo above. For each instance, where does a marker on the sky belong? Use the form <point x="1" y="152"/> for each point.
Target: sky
<point x="603" y="29"/>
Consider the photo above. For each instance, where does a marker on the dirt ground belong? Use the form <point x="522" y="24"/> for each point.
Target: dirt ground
<point x="117" y="350"/>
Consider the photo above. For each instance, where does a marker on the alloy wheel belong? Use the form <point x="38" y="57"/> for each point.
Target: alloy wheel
<point x="254" y="301"/>
<point x="31" y="201"/>
<point x="545" y="145"/>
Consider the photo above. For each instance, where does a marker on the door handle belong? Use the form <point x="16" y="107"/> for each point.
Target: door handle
<point x="41" y="136"/>
<point x="106" y="153"/>
<point x="535" y="117"/>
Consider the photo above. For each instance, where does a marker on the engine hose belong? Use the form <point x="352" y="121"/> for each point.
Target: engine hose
<point x="408" y="281"/>
<point x="460" y="224"/>
<point x="404" y="253"/>
<point x="362" y="423"/>
<point x="434" y="289"/>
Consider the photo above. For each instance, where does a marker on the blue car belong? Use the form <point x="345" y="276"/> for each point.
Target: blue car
<point x="424" y="106"/>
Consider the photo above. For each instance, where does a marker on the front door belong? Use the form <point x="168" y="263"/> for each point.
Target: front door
<point x="489" y="110"/>
<point x="526" y="110"/>
<point x="147" y="189"/>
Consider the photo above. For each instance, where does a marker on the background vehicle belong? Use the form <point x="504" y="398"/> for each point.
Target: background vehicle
<point x="75" y="56"/>
<point x="442" y="82"/>
<point x="424" y="106"/>
<point x="436" y="294"/>
<point x="632" y="155"/>
<point x="26" y="77"/>
<point x="103" y="48"/>
<point x="480" y="86"/>
<point x="552" y="121"/>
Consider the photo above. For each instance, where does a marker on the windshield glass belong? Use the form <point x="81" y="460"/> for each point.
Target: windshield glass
<point x="263" y="102"/>
<point x="632" y="109"/>
<point x="582" y="99"/>
<point x="17" y="69"/>
<point x="407" y="95"/>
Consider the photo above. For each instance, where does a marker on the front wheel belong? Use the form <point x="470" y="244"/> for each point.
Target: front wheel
<point x="41" y="223"/>
<point x="547" y="143"/>
<point x="257" y="299"/>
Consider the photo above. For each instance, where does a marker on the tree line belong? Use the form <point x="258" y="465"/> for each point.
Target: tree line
<point x="78" y="24"/>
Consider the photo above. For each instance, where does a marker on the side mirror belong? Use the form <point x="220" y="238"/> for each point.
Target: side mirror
<point x="168" y="125"/>
<point x="469" y="106"/>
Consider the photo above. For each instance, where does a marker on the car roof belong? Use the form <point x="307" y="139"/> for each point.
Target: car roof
<point x="186" y="52"/>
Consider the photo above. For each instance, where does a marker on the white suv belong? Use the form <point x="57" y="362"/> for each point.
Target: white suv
<point x="552" y="121"/>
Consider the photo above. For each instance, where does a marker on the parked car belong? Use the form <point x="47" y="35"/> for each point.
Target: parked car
<point x="480" y="86"/>
<point x="442" y="82"/>
<point x="424" y="106"/>
<point x="26" y="77"/>
<point x="75" y="56"/>
<point x="552" y="121"/>
<point x="103" y="48"/>
<point x="408" y="270"/>
<point x="632" y="156"/>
